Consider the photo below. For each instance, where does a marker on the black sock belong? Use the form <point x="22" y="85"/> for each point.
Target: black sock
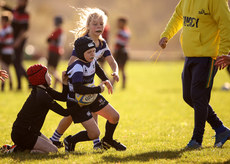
<point x="109" y="130"/>
<point x="79" y="137"/>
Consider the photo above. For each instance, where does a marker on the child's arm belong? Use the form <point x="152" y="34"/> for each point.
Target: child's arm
<point x="101" y="74"/>
<point x="57" y="95"/>
<point x="44" y="99"/>
<point x="54" y="106"/>
<point x="3" y="75"/>
<point x="81" y="89"/>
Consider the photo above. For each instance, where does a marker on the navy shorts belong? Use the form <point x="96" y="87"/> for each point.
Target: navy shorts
<point x="121" y="57"/>
<point x="7" y="59"/>
<point x="53" y="59"/>
<point x="81" y="114"/>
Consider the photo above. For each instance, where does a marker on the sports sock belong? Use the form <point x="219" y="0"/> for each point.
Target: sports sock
<point x="220" y="129"/>
<point x="79" y="137"/>
<point x="56" y="136"/>
<point x="109" y="130"/>
<point x="96" y="141"/>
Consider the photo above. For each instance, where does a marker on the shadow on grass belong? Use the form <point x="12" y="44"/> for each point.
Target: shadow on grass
<point x="36" y="156"/>
<point x="144" y="157"/>
<point x="226" y="162"/>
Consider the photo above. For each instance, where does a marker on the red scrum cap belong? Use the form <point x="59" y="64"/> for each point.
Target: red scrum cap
<point x="36" y="74"/>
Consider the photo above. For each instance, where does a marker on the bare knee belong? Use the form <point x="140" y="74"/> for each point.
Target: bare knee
<point x="94" y="134"/>
<point x="115" y="118"/>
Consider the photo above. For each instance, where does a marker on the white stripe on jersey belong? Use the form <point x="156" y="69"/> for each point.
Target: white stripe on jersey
<point x="76" y="68"/>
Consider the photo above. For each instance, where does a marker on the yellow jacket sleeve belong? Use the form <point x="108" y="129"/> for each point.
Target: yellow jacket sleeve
<point x="175" y="23"/>
<point x="221" y="15"/>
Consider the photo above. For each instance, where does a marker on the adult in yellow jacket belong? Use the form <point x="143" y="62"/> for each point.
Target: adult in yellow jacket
<point x="205" y="35"/>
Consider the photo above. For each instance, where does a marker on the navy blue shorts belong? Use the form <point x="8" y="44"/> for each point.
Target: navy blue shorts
<point x="82" y="114"/>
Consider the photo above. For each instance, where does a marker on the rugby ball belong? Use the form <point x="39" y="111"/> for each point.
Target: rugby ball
<point x="87" y="98"/>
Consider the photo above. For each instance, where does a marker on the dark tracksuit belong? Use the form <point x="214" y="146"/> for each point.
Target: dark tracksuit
<point x="197" y="81"/>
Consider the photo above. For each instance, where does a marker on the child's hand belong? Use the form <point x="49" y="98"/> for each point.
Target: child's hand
<point x="64" y="78"/>
<point x="115" y="76"/>
<point x="3" y="75"/>
<point x="102" y="86"/>
<point x="109" y="86"/>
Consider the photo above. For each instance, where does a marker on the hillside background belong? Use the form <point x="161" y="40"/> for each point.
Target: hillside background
<point x="147" y="19"/>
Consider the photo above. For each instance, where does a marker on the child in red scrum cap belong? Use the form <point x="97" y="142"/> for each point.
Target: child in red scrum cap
<point x="26" y="133"/>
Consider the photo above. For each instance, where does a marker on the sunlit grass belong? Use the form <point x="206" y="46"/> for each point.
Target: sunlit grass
<point x="155" y="123"/>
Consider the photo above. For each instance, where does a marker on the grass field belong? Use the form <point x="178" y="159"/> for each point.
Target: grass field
<point x="155" y="123"/>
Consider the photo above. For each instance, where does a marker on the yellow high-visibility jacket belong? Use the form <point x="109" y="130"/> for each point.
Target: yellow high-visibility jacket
<point x="205" y="27"/>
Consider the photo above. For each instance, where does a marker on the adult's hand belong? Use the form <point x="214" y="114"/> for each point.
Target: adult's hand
<point x="163" y="42"/>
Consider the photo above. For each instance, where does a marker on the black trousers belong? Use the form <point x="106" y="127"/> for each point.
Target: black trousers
<point x="197" y="79"/>
<point x="20" y="71"/>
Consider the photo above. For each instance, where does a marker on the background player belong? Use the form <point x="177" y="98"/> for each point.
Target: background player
<point x="6" y="45"/>
<point x="56" y="49"/>
<point x="121" y="54"/>
<point x="20" y="26"/>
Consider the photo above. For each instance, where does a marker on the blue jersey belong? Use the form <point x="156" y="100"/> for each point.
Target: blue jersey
<point x="101" y="50"/>
<point x="80" y="72"/>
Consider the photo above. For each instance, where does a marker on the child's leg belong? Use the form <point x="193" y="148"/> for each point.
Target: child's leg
<point x="122" y="68"/>
<point x="43" y="145"/>
<point x="112" y="117"/>
<point x="109" y="113"/>
<point x="96" y="142"/>
<point x="92" y="132"/>
<point x="62" y="127"/>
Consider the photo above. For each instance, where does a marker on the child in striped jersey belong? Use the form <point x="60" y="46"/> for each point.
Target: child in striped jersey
<point x="56" y="49"/>
<point x="6" y="45"/>
<point x="92" y="23"/>
<point x="121" y="54"/>
<point x="80" y="73"/>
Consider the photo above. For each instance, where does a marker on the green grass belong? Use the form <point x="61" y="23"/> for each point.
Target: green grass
<point x="155" y="123"/>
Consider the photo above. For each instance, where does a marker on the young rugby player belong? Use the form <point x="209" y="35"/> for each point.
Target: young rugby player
<point x="121" y="53"/>
<point x="6" y="45"/>
<point x="81" y="73"/>
<point x="92" y="23"/>
<point x="56" y="49"/>
<point x="26" y="133"/>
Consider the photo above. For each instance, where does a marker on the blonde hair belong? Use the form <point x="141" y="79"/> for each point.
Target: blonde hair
<point x="86" y="16"/>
